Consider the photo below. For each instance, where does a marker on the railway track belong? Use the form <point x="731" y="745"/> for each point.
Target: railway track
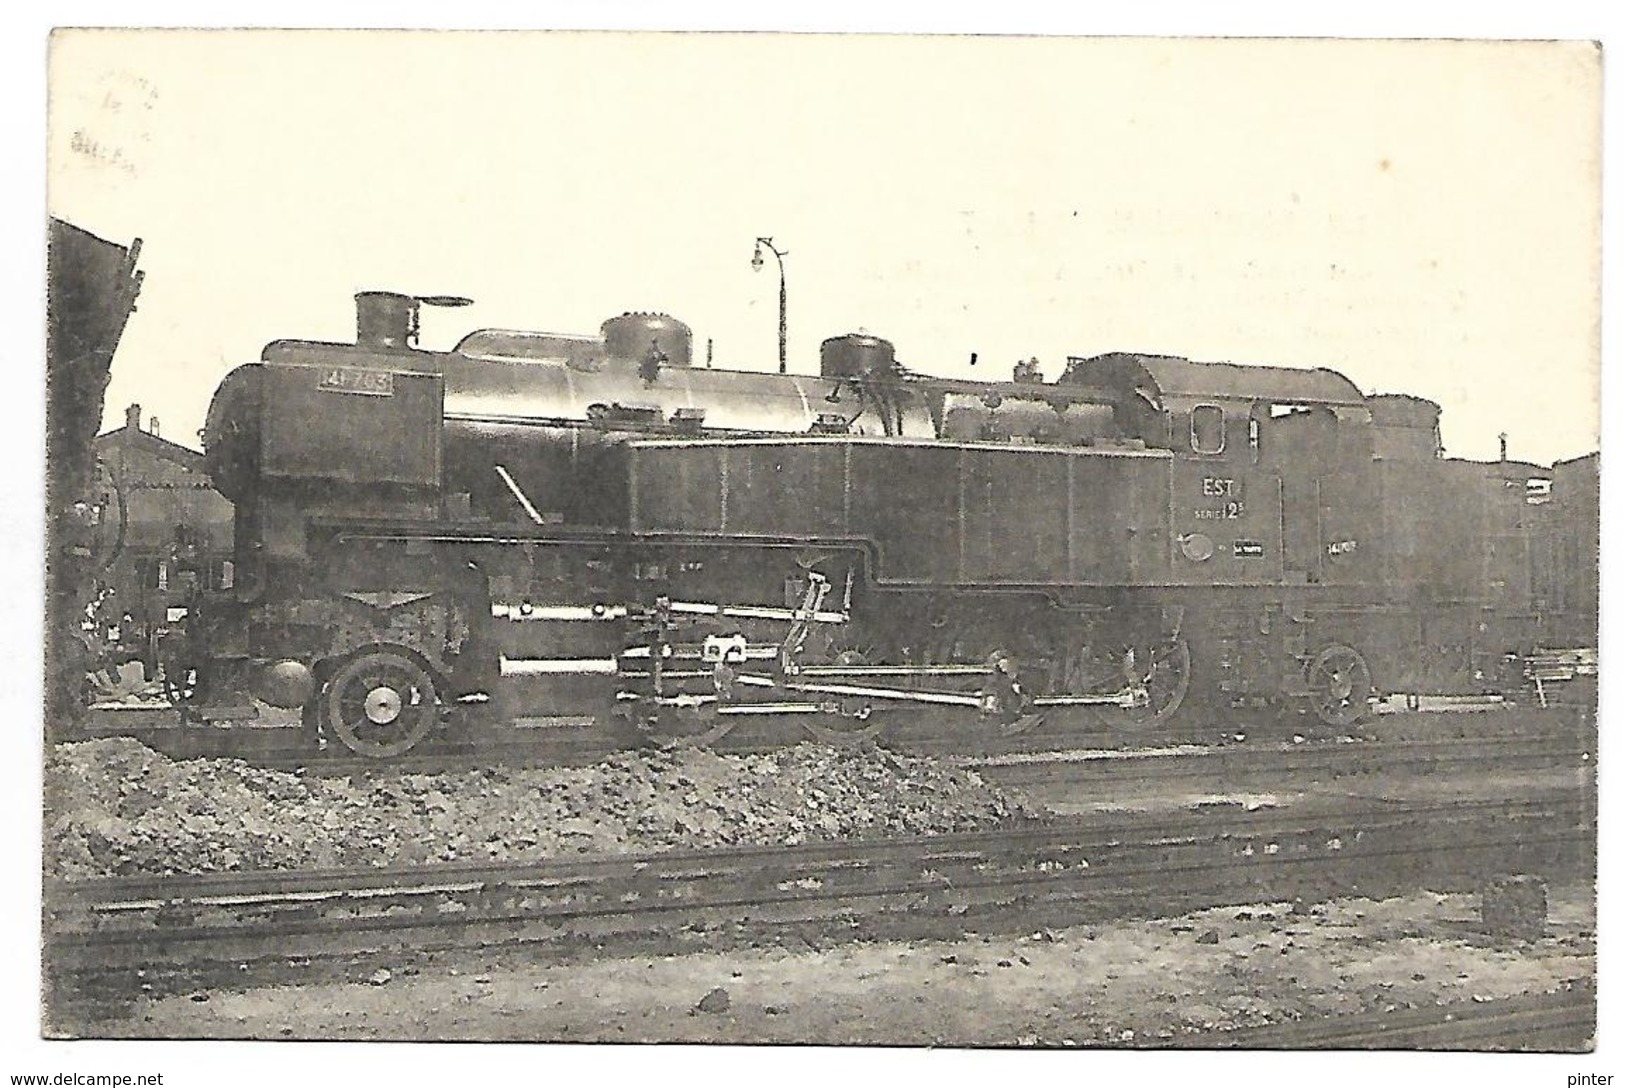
<point x="101" y="932"/>
<point x="1564" y="1020"/>
<point x="1275" y="764"/>
<point x="1077" y="755"/>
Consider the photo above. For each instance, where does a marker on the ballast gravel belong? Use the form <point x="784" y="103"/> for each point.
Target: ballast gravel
<point x="115" y="807"/>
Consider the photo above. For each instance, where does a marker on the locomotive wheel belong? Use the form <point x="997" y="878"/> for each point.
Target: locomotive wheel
<point x="177" y="671"/>
<point x="179" y="683"/>
<point x="1026" y="723"/>
<point x="1004" y="700"/>
<point x="380" y="704"/>
<point x="1339" y="684"/>
<point x="1164" y="667"/>
<point x="687" y="727"/>
<point x="855" y="723"/>
<point x="849" y="731"/>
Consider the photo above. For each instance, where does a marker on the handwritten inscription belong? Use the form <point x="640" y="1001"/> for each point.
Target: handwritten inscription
<point x="110" y="123"/>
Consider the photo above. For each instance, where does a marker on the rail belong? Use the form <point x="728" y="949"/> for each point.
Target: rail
<point x="1065" y="871"/>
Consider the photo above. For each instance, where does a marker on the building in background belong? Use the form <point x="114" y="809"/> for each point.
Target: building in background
<point x="170" y="529"/>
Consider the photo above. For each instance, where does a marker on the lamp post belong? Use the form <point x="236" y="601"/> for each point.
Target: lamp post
<point x="756" y="263"/>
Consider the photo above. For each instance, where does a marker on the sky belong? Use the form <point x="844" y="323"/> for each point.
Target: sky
<point x="1422" y="216"/>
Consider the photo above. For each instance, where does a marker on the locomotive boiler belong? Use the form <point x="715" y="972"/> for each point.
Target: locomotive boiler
<point x="536" y="530"/>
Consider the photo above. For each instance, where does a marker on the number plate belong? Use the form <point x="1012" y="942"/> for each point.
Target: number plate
<point x="366" y="383"/>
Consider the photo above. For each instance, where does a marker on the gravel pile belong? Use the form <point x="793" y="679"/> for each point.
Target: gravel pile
<point x="117" y="808"/>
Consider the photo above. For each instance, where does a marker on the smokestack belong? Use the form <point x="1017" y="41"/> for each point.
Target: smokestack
<point x="132" y="418"/>
<point x="386" y="319"/>
<point x="152" y="427"/>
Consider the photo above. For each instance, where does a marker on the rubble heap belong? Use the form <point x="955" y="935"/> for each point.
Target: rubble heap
<point x="115" y="807"/>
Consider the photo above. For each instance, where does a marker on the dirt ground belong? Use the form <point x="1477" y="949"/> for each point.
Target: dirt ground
<point x="1133" y="983"/>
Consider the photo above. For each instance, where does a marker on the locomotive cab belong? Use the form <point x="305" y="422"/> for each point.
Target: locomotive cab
<point x="1250" y="445"/>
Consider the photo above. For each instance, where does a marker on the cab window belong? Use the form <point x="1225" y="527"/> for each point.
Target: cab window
<point x="1207" y="429"/>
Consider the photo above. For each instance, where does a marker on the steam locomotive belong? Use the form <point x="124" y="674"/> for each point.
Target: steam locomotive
<point x="535" y="530"/>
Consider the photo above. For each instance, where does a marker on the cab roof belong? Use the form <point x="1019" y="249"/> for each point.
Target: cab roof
<point x="1173" y="376"/>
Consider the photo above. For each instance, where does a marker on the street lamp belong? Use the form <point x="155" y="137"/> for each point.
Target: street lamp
<point x="756" y="263"/>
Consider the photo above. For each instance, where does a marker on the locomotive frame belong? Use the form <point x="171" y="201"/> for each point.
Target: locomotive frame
<point x="534" y="530"/>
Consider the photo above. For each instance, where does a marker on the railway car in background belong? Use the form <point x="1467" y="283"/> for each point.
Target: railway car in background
<point x="1576" y="548"/>
<point x="534" y="529"/>
<point x="1564" y="661"/>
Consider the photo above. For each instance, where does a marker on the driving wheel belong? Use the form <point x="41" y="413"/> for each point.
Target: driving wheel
<point x="686" y="726"/>
<point x="854" y="720"/>
<point x="1164" y="668"/>
<point x="381" y="703"/>
<point x="1339" y="684"/>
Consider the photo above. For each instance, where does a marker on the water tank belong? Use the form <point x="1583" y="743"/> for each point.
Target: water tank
<point x="856" y="355"/>
<point x="630" y="336"/>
